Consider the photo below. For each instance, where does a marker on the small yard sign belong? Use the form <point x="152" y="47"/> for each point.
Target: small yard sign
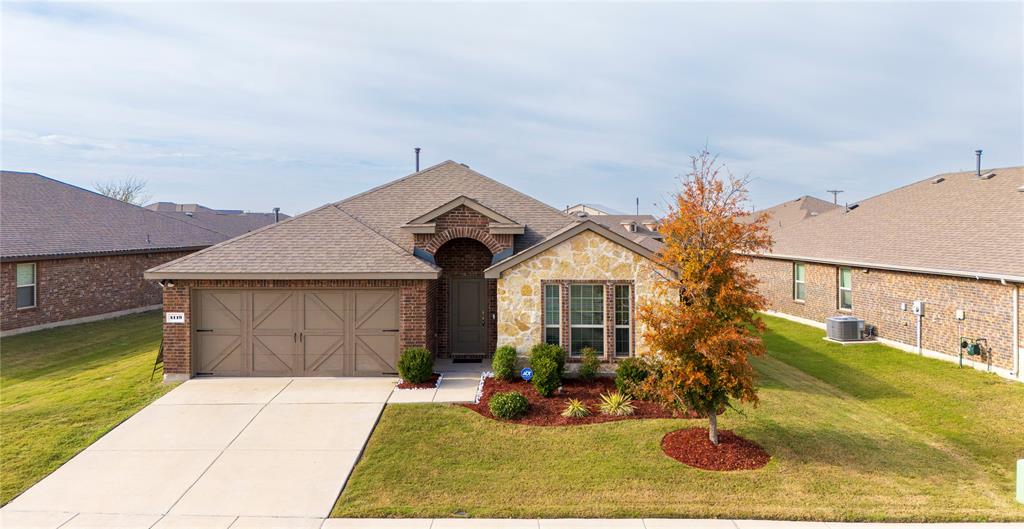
<point x="174" y="317"/>
<point x="526" y="373"/>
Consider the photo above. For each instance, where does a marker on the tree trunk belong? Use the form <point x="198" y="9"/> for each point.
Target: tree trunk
<point x="713" y="426"/>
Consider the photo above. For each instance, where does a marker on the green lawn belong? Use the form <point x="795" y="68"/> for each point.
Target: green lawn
<point x="61" y="389"/>
<point x="856" y="433"/>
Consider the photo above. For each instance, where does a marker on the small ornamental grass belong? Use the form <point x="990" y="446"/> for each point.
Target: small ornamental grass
<point x="511" y="405"/>
<point x="416" y="365"/>
<point x="589" y="365"/>
<point x="504" y="363"/>
<point x="575" y="409"/>
<point x="616" y="403"/>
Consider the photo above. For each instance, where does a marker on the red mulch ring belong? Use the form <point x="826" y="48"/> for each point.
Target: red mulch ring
<point x="430" y="384"/>
<point x="691" y="446"/>
<point x="548" y="411"/>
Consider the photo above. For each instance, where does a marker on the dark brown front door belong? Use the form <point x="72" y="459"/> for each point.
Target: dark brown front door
<point x="468" y="316"/>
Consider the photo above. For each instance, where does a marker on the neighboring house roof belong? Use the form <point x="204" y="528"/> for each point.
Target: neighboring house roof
<point x="325" y="243"/>
<point x="44" y="218"/>
<point x="592" y="209"/>
<point x="562" y="235"/>
<point x="950" y="224"/>
<point x="788" y="213"/>
<point x="229" y="222"/>
<point x="648" y="238"/>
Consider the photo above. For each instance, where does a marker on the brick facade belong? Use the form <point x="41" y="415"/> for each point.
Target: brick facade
<point x="463" y="258"/>
<point x="82" y="287"/>
<point x="462" y="222"/>
<point x="878" y="295"/>
<point x="416" y="327"/>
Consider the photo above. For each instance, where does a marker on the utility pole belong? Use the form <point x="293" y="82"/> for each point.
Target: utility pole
<point x="835" y="195"/>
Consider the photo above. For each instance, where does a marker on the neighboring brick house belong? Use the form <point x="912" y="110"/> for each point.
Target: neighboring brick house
<point x="954" y="241"/>
<point x="68" y="255"/>
<point x="444" y="258"/>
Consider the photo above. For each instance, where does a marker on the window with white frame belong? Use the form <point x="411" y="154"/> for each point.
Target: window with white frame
<point x="552" y="314"/>
<point x="799" y="285"/>
<point x="586" y="318"/>
<point x="845" y="288"/>
<point x="26" y="285"/>
<point x="623" y="304"/>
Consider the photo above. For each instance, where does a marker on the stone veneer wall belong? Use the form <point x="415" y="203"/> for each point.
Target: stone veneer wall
<point x="586" y="257"/>
<point x="877" y="298"/>
<point x="82" y="287"/>
<point x="416" y="324"/>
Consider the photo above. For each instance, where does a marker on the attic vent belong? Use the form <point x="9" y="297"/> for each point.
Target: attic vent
<point x="1020" y="189"/>
<point x="630" y="226"/>
<point x="986" y="176"/>
<point x="938" y="180"/>
<point x="814" y="213"/>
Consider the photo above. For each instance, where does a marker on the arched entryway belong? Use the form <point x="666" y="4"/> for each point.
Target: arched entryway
<point x="466" y="302"/>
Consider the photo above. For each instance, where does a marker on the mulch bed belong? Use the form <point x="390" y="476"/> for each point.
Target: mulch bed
<point x="548" y="411"/>
<point x="430" y="384"/>
<point x="691" y="446"/>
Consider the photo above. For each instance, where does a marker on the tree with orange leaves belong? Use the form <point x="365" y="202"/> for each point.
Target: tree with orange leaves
<point x="703" y="324"/>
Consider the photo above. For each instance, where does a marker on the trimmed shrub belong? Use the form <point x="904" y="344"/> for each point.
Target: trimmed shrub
<point x="575" y="409"/>
<point x="416" y="365"/>
<point x="631" y="373"/>
<point x="616" y="404"/>
<point x="553" y="352"/>
<point x="504" y="363"/>
<point x="545" y="376"/>
<point x="511" y="405"/>
<point x="589" y="365"/>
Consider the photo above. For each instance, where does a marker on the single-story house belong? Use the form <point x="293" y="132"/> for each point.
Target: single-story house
<point x="69" y="255"/>
<point x="228" y="222"/>
<point x="954" y="242"/>
<point x="445" y="258"/>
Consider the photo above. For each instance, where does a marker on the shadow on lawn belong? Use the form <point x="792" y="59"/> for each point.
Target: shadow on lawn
<point x="817" y="361"/>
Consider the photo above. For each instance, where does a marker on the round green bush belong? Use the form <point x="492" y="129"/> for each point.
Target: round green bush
<point x="545" y="376"/>
<point x="552" y="352"/>
<point x="589" y="365"/>
<point x="629" y="375"/>
<point x="511" y="405"/>
<point x="504" y="363"/>
<point x="416" y="365"/>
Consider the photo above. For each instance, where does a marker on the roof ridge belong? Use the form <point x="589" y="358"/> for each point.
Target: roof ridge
<point x="221" y="244"/>
<point x="394" y="245"/>
<point x="392" y="182"/>
<point x="516" y="191"/>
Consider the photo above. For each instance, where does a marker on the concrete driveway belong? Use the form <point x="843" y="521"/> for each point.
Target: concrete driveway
<point x="211" y="448"/>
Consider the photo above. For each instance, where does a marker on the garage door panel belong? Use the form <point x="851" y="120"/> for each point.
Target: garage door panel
<point x="325" y="355"/>
<point x="376" y="309"/>
<point x="219" y="354"/>
<point x="273" y="355"/>
<point x="324" y="311"/>
<point x="376" y="354"/>
<point x="273" y="311"/>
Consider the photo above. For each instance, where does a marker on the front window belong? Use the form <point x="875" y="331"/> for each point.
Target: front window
<point x="799" y="287"/>
<point x="26" y="285"/>
<point x="845" y="288"/>
<point x="622" y="310"/>
<point x="586" y="318"/>
<point x="552" y="315"/>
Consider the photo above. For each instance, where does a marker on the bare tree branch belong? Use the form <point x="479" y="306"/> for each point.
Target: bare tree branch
<point x="128" y="190"/>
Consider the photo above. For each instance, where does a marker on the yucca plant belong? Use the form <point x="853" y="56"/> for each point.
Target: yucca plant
<point x="616" y="403"/>
<point x="575" y="409"/>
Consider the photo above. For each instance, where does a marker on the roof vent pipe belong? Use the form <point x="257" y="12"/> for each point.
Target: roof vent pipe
<point x="277" y="214"/>
<point x="977" y="155"/>
<point x="417" y="159"/>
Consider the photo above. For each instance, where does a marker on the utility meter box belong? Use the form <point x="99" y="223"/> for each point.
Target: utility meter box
<point x="960" y="316"/>
<point x="917" y="308"/>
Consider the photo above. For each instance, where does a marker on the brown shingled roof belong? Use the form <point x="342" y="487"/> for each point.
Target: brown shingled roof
<point x="231" y="223"/>
<point x="43" y="217"/>
<point x="954" y="224"/>
<point x="788" y="213"/>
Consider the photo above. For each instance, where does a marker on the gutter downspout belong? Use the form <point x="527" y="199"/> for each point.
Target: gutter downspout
<point x="1016" y="332"/>
<point x="920" y="349"/>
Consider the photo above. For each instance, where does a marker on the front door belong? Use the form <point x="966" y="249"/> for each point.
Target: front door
<point x="468" y="316"/>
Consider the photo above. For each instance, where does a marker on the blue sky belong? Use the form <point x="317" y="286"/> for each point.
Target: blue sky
<point x="295" y="105"/>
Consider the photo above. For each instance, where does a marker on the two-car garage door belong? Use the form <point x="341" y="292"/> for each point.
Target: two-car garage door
<point x="267" y="332"/>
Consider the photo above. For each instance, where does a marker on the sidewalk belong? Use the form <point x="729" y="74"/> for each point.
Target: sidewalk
<point x="56" y="520"/>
